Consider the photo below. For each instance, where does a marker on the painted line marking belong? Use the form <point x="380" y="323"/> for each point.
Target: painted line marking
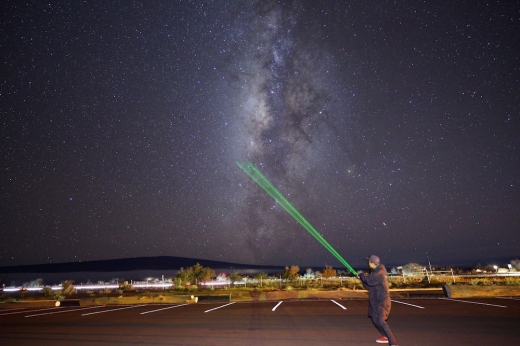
<point x="338" y="304"/>
<point x="16" y="310"/>
<point x="277" y="305"/>
<point x="218" y="307"/>
<point x="60" y="312"/>
<point x="169" y="307"/>
<point x="101" y="312"/>
<point x="508" y="298"/>
<point x="415" y="306"/>
<point x="466" y="301"/>
<point x="19" y="312"/>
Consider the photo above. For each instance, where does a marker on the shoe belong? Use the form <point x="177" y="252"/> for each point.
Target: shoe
<point x="382" y="340"/>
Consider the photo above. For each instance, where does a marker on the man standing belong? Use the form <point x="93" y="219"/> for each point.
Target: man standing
<point x="379" y="298"/>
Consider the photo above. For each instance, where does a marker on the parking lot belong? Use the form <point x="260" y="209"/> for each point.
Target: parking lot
<point x="493" y="321"/>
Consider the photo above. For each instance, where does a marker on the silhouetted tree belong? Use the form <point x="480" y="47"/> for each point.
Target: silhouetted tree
<point x="35" y="283"/>
<point x="261" y="276"/>
<point x="328" y="272"/>
<point x="199" y="274"/>
<point x="291" y="273"/>
<point x="47" y="291"/>
<point x="67" y="288"/>
<point x="182" y="277"/>
<point x="235" y="277"/>
<point x="412" y="268"/>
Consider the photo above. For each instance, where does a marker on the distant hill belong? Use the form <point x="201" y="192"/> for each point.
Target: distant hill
<point x="131" y="264"/>
<point x="139" y="268"/>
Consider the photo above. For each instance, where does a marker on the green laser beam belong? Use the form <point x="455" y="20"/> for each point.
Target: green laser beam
<point x="266" y="185"/>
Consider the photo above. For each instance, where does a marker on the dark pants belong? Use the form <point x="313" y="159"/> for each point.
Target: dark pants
<point x="383" y="328"/>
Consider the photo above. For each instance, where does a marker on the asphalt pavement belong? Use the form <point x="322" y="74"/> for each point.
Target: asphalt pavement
<point x="425" y="322"/>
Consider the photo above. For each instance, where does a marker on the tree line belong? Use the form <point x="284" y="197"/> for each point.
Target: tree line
<point x="198" y="274"/>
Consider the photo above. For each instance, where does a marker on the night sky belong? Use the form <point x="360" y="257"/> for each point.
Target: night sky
<point x="393" y="127"/>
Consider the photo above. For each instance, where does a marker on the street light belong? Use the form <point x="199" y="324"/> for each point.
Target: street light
<point x="496" y="269"/>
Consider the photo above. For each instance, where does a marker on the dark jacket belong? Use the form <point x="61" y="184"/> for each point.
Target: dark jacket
<point x="379" y="296"/>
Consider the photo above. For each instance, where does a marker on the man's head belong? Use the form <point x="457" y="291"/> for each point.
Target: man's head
<point x="373" y="261"/>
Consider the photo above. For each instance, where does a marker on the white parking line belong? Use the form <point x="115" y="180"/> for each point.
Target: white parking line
<point x="466" y="301"/>
<point x="415" y="306"/>
<point x="18" y="310"/>
<point x="277" y="305"/>
<point x="169" y="307"/>
<point x="338" y="304"/>
<point x="101" y="312"/>
<point x="218" y="307"/>
<point x="509" y="298"/>
<point x="23" y="311"/>
<point x="61" y="312"/>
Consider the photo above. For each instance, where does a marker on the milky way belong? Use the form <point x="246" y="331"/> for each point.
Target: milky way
<point x="393" y="128"/>
<point x="283" y="106"/>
